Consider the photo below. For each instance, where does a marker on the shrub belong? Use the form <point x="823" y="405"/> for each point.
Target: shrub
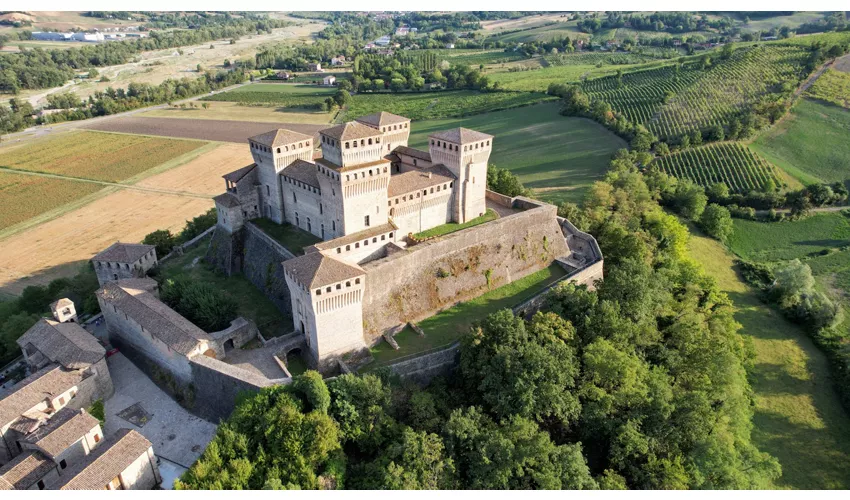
<point x="201" y="303"/>
<point x="716" y="221"/>
<point x="163" y="240"/>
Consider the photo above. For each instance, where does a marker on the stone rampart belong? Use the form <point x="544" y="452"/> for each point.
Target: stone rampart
<point x="263" y="257"/>
<point x="410" y="285"/>
<point x="422" y="368"/>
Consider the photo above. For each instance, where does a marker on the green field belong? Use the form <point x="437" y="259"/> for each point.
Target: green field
<point x="544" y="32"/>
<point x="281" y="88"/>
<point x="538" y="80"/>
<point x="278" y="94"/>
<point x="812" y="143"/>
<point x="443" y="104"/>
<point x="798" y="416"/>
<point x="251" y="302"/>
<point x="731" y="163"/>
<point x="787" y="240"/>
<point x="452" y="227"/>
<point x="96" y="155"/>
<point x="472" y="57"/>
<point x="560" y="157"/>
<point x="448" y="326"/>
<point x="291" y="237"/>
<point x="833" y="86"/>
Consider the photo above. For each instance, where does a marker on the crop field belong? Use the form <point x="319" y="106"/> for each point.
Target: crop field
<point x="96" y="156"/>
<point x="559" y="157"/>
<point x="280" y="94"/>
<point x="729" y="162"/>
<point x="547" y="31"/>
<point x="598" y="58"/>
<point x="538" y="80"/>
<point x="25" y="196"/>
<point x="473" y="57"/>
<point x="221" y="110"/>
<point x="673" y="99"/>
<point x="443" y="104"/>
<point x="833" y="86"/>
<point x="205" y="130"/>
<point x="811" y="143"/>
<point x="787" y="240"/>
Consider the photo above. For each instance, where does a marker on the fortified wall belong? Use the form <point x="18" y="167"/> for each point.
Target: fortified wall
<point x="414" y="284"/>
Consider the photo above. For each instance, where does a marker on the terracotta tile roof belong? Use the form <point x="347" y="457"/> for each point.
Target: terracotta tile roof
<point x="303" y="171"/>
<point x="358" y="236"/>
<point x="103" y="464"/>
<point x="5" y="485"/>
<point x="415" y="180"/>
<point x="315" y="270"/>
<point x="238" y="174"/>
<point x="62" y="430"/>
<point x="48" y="382"/>
<point x="348" y="168"/>
<point x="382" y="118"/>
<point x="134" y="298"/>
<point x="68" y="344"/>
<point x="26" y="469"/>
<point x="415" y="153"/>
<point x="125" y="253"/>
<point x="279" y="137"/>
<point x="227" y="200"/>
<point x="460" y="135"/>
<point x="350" y="130"/>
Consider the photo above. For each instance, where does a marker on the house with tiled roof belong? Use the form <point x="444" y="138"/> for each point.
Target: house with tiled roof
<point x="125" y="461"/>
<point x="124" y="260"/>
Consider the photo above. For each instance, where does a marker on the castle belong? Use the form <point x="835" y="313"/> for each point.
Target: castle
<point x="365" y="195"/>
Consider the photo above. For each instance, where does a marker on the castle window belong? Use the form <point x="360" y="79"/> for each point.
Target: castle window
<point x="366" y="221"/>
<point x="357" y="245"/>
<point x="339" y="286"/>
<point x="391" y="235"/>
<point x="339" y="250"/>
<point x="300" y="145"/>
<point x="396" y="201"/>
<point x="370" y="141"/>
<point x="356" y="281"/>
<point x="432" y="190"/>
<point x="385" y="169"/>
<point x="347" y="145"/>
<point x="347" y="248"/>
<point x="362" y="142"/>
<point x="432" y="142"/>
<point x="268" y="190"/>
<point x="414" y="163"/>
<point x="321" y="210"/>
<point x="378" y="140"/>
<point x="389" y="203"/>
<point x="370" y="172"/>
<point x="424" y="192"/>
<point x="294" y="198"/>
<point x="438" y="189"/>
<point x="451" y="184"/>
<point x="383" y="237"/>
<point x="374" y="240"/>
<point x="488" y="143"/>
<point x="347" y="284"/>
<point x="464" y="148"/>
<point x="278" y="150"/>
<point x="328" y="289"/>
<point x="347" y="177"/>
<point x="318" y="291"/>
<point x="333" y="225"/>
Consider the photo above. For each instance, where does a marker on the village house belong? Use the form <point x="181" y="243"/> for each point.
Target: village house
<point x="315" y="67"/>
<point x="124" y="260"/>
<point x="329" y="80"/>
<point x="284" y="75"/>
<point x="338" y="60"/>
<point x="125" y="461"/>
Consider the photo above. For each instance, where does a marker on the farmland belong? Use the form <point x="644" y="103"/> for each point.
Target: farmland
<point x="833" y="87"/>
<point x="280" y="94"/>
<point x="206" y="130"/>
<point x="730" y="163"/>
<point x="559" y="157"/>
<point x="96" y="156"/>
<point x="430" y="105"/>
<point x="472" y="57"/>
<point x="241" y="112"/>
<point x="676" y="99"/>
<point x="538" y="80"/>
<point x="24" y="196"/>
<point x="598" y="58"/>
<point x="810" y="143"/>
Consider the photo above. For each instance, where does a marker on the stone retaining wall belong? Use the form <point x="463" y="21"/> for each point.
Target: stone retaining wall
<point x="422" y="369"/>
<point x="263" y="257"/>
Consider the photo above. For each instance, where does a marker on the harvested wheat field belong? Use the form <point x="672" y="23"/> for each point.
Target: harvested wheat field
<point x="202" y="175"/>
<point x="57" y="248"/>
<point x="25" y="196"/>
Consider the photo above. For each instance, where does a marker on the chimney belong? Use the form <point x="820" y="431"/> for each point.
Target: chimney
<point x="430" y="174"/>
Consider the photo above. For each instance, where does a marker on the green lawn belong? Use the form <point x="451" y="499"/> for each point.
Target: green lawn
<point x="812" y="143"/>
<point x="284" y="88"/>
<point x="558" y="156"/>
<point x="448" y="326"/>
<point x="451" y="227"/>
<point x="798" y="416"/>
<point x="252" y="304"/>
<point x="291" y="237"/>
<point x="763" y="241"/>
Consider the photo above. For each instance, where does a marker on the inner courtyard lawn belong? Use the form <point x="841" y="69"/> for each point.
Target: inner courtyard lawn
<point x="559" y="157"/>
<point x="452" y="227"/>
<point x="291" y="237"/>
<point x="448" y="326"/>
<point x="798" y="416"/>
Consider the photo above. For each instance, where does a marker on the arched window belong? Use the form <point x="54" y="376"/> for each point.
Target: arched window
<point x="278" y="150"/>
<point x="370" y="141"/>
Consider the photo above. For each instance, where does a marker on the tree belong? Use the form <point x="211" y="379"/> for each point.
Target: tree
<point x="208" y="307"/>
<point x="504" y="182"/>
<point x="791" y="281"/>
<point x="689" y="199"/>
<point x="416" y="462"/>
<point x="716" y="221"/>
<point x="360" y="405"/>
<point x="162" y="239"/>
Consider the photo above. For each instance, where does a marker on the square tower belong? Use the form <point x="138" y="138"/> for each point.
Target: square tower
<point x="465" y="152"/>
<point x="273" y="151"/>
<point x="395" y="129"/>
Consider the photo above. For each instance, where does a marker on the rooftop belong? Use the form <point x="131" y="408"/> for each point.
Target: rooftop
<point x="279" y="137"/>
<point x="382" y="118"/>
<point x="302" y="171"/>
<point x="103" y="464"/>
<point x="413" y="152"/>
<point x="227" y="200"/>
<point x="134" y="298"/>
<point x="124" y="253"/>
<point x="315" y="270"/>
<point x="62" y="430"/>
<point x="68" y="344"/>
<point x="350" y="130"/>
<point x="414" y="180"/>
<point x="48" y="382"/>
<point x="460" y="135"/>
<point x="238" y="174"/>
<point x="333" y="166"/>
<point x="25" y="470"/>
<point x="354" y="237"/>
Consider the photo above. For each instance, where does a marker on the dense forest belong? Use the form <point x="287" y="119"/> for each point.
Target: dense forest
<point x="639" y="384"/>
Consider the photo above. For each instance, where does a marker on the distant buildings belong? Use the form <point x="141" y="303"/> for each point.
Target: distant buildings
<point x="338" y="60"/>
<point x="315" y="67"/>
<point x="96" y="37"/>
<point x="329" y="80"/>
<point x="406" y="30"/>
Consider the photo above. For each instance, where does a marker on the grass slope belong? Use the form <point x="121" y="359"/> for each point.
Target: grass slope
<point x="767" y="242"/>
<point x="812" y="143"/>
<point x="559" y="157"/>
<point x="798" y="417"/>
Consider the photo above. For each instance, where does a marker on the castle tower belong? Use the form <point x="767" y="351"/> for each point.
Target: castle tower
<point x="395" y="129"/>
<point x="327" y="297"/>
<point x="273" y="151"/>
<point x="353" y="175"/>
<point x="465" y="152"/>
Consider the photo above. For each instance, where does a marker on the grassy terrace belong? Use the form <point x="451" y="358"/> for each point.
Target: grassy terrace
<point x="252" y="304"/>
<point x="448" y="326"/>
<point x="291" y="237"/>
<point x="451" y="227"/>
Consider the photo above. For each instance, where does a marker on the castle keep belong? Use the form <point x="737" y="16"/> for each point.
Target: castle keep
<point x="364" y="192"/>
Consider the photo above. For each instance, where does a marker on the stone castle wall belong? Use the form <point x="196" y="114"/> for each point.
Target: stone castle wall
<point x="263" y="257"/>
<point x="431" y="276"/>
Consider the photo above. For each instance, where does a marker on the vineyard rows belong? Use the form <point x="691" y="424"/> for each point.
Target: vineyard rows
<point x="731" y="163"/>
<point x="594" y="58"/>
<point x="676" y="99"/>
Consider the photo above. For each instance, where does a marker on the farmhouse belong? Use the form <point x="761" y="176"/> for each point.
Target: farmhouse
<point x="329" y="80"/>
<point x="338" y="60"/>
<point x="365" y="195"/>
<point x="315" y="67"/>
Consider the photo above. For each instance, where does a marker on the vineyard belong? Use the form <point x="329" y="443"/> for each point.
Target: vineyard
<point x="730" y="163"/>
<point x="679" y="98"/>
<point x="598" y="58"/>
